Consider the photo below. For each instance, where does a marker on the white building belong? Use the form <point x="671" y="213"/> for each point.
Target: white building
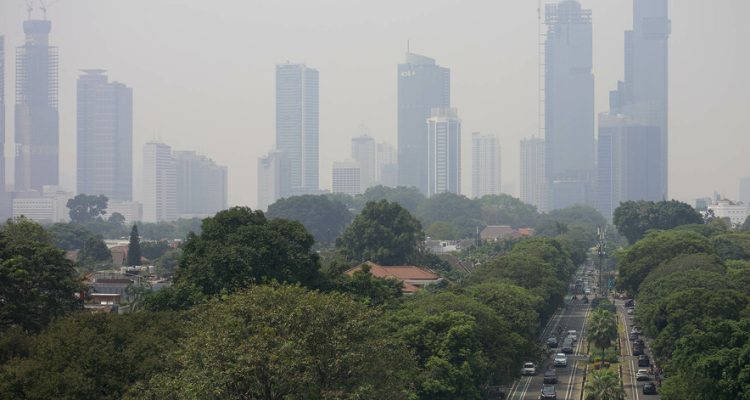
<point x="131" y="210"/>
<point x="159" y="183"/>
<point x="533" y="185"/>
<point x="737" y="213"/>
<point x="485" y="165"/>
<point x="364" y="152"/>
<point x="48" y="207"/>
<point x="443" y="152"/>
<point x="269" y="179"/>
<point x="346" y="178"/>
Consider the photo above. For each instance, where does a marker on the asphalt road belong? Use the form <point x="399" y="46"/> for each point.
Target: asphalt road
<point x="633" y="388"/>
<point x="569" y="379"/>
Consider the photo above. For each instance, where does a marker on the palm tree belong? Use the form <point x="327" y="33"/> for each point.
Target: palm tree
<point x="604" y="384"/>
<point x="602" y="330"/>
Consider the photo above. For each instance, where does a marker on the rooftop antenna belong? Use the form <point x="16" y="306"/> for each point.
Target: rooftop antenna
<point x="29" y="8"/>
<point x="43" y="7"/>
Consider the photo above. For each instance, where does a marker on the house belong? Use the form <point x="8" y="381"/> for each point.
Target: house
<point x="414" y="278"/>
<point x="495" y="233"/>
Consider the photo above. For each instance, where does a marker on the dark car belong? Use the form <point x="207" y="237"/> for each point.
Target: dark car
<point x="633" y="336"/>
<point x="638" y="342"/>
<point x="630" y="303"/>
<point x="643" y="361"/>
<point x="637" y="350"/>
<point x="550" y="376"/>
<point x="552" y="342"/>
<point x="548" y="393"/>
<point x="649" y="388"/>
<point x="567" y="346"/>
<point x="496" y="393"/>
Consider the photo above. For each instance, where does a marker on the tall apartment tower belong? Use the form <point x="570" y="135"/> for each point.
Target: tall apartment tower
<point x="485" y="165"/>
<point x="443" y="152"/>
<point x="297" y="126"/>
<point x="422" y="86"/>
<point x="533" y="183"/>
<point x="201" y="185"/>
<point x="105" y="137"/>
<point x="270" y="173"/>
<point x="159" y="183"/>
<point x="569" y="104"/>
<point x="37" y="120"/>
<point x="346" y="178"/>
<point x="2" y="114"/>
<point x="365" y="153"/>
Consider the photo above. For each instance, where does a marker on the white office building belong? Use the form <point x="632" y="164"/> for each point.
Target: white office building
<point x="50" y="206"/>
<point x="443" y="152"/>
<point x="132" y="211"/>
<point x="485" y="165"/>
<point x="364" y="152"/>
<point x="159" y="183"/>
<point x="269" y="179"/>
<point x="737" y="213"/>
<point x="346" y="178"/>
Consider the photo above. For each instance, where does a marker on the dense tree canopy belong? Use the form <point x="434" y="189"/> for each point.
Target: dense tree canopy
<point x="507" y="210"/>
<point x="409" y="198"/>
<point x="383" y="232"/>
<point x="91" y="247"/>
<point x="463" y="214"/>
<point x="324" y="218"/>
<point x="634" y="218"/>
<point x="85" y="208"/>
<point x="732" y="246"/>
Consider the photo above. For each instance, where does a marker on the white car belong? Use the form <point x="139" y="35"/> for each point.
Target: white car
<point x="642" y="375"/>
<point x="573" y="335"/>
<point x="561" y="360"/>
<point x="528" y="369"/>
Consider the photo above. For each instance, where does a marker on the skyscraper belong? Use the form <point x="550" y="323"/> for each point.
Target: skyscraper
<point x="387" y="165"/>
<point x="270" y="173"/>
<point x="569" y="104"/>
<point x="346" y="178"/>
<point x="2" y="114"/>
<point x="364" y="152"/>
<point x="533" y="183"/>
<point x="443" y="152"/>
<point x="201" y="185"/>
<point x="297" y="126"/>
<point x="159" y="183"/>
<point x="485" y="162"/>
<point x="105" y="137"/>
<point x="422" y="86"/>
<point x="745" y="190"/>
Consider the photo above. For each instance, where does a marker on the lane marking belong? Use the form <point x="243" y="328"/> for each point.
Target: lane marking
<point x="569" y="390"/>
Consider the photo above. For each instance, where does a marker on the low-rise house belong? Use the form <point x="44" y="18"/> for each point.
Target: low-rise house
<point x="414" y="278"/>
<point x="496" y="233"/>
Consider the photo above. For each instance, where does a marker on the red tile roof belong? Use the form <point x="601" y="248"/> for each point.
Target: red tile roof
<point x="401" y="272"/>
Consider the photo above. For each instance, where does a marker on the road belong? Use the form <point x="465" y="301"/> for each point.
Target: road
<point x="633" y="388"/>
<point x="569" y="379"/>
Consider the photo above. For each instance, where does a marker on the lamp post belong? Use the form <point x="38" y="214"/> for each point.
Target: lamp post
<point x="601" y="249"/>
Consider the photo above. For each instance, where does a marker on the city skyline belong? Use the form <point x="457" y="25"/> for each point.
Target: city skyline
<point x="729" y="185"/>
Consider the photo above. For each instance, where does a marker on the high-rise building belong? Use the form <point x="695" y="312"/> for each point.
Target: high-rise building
<point x="346" y="178"/>
<point x="365" y="152"/>
<point x="387" y="165"/>
<point x="533" y="183"/>
<point x="105" y="137"/>
<point x="569" y="104"/>
<point x="159" y="183"/>
<point x="422" y="86"/>
<point x="46" y="206"/>
<point x="37" y="121"/>
<point x="297" y="126"/>
<point x="2" y="114"/>
<point x="443" y="152"/>
<point x="201" y="185"/>
<point x="270" y="173"/>
<point x="745" y="190"/>
<point x="485" y="163"/>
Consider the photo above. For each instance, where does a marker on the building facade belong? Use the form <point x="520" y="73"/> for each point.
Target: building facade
<point x="365" y="153"/>
<point x="736" y="213"/>
<point x="297" y="126"/>
<point x="105" y="137"/>
<point x="745" y="190"/>
<point x="569" y="104"/>
<point x="132" y="211"/>
<point x="36" y="120"/>
<point x="201" y="185"/>
<point x="486" y="171"/>
<point x="533" y="183"/>
<point x="2" y="114"/>
<point x="270" y="172"/>
<point x="159" y="183"/>
<point x="422" y="86"/>
<point x="346" y="178"/>
<point x="443" y="152"/>
<point x="47" y="206"/>
<point x="387" y="165"/>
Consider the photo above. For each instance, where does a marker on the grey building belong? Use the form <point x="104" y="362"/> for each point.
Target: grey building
<point x="485" y="165"/>
<point x="533" y="184"/>
<point x="105" y="137"/>
<point x="443" y="152"/>
<point x="297" y="126"/>
<point x="2" y="114"/>
<point x="201" y="185"/>
<point x="365" y="153"/>
<point x="422" y="86"/>
<point x="36" y="120"/>
<point x="159" y="183"/>
<point x="745" y="190"/>
<point x="270" y="182"/>
<point x="569" y="104"/>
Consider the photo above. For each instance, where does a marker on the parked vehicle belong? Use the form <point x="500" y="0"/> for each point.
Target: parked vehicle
<point x="649" y="388"/>
<point x="528" y="369"/>
<point x="630" y="310"/>
<point x="642" y="375"/>
<point x="548" y="393"/>
<point x="633" y="336"/>
<point x="630" y="303"/>
<point x="561" y="360"/>
<point x="550" y="376"/>
<point x="643" y="361"/>
<point x="497" y="393"/>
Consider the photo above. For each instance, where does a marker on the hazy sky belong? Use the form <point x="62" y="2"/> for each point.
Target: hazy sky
<point x="203" y="74"/>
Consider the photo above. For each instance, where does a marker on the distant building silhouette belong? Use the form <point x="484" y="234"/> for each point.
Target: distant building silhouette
<point x="387" y="165"/>
<point x="443" y="152"/>
<point x="270" y="173"/>
<point x="37" y="122"/>
<point x="297" y="127"/>
<point x="569" y="104"/>
<point x="346" y="178"/>
<point x="745" y="190"/>
<point x="365" y="153"/>
<point x="201" y="185"/>
<point x="422" y="86"/>
<point x="105" y="137"/>
<point x="486" y="168"/>
<point x="2" y="114"/>
<point x="159" y="183"/>
<point x="533" y="183"/>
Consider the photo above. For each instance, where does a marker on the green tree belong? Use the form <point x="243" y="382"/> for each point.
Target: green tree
<point x="409" y="198"/>
<point x="462" y="213"/>
<point x="604" y="384"/>
<point x="116" y="219"/>
<point x="602" y="330"/>
<point x="134" y="247"/>
<point x="85" y="208"/>
<point x="384" y="233"/>
<point x="154" y="250"/>
<point x="38" y="283"/>
<point x="370" y="290"/>
<point x="732" y="246"/>
<point x="558" y="222"/>
<point x="322" y="217"/>
<point x="634" y="218"/>
<point x="240" y="247"/>
<point x="94" y="251"/>
<point x="746" y="225"/>
<point x="281" y="343"/>
<point x="442" y="231"/>
<point x="507" y="210"/>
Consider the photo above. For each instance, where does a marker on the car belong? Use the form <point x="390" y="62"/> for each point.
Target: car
<point x="528" y="369"/>
<point x="550" y="376"/>
<point x="631" y="310"/>
<point x="638" y="342"/>
<point x="573" y="335"/>
<point x="548" y="393"/>
<point x="637" y="350"/>
<point x="552" y="342"/>
<point x="642" y="375"/>
<point x="649" y="388"/>
<point x="567" y="346"/>
<point x="561" y="360"/>
<point x="636" y="330"/>
<point x="633" y="336"/>
<point x="587" y="292"/>
<point x="630" y="303"/>
<point x="496" y="393"/>
<point x="643" y="361"/>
